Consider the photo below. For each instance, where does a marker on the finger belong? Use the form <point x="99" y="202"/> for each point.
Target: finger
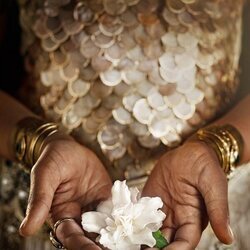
<point x="216" y="200"/>
<point x="168" y="230"/>
<point x="186" y="237"/>
<point x="152" y="189"/>
<point x="72" y="237"/>
<point x="69" y="233"/>
<point x="168" y="233"/>
<point x="44" y="182"/>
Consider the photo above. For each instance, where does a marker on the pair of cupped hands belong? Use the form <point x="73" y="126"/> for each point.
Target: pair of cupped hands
<point x="69" y="179"/>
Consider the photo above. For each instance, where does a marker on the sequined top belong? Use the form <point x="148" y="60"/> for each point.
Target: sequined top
<point x="131" y="78"/>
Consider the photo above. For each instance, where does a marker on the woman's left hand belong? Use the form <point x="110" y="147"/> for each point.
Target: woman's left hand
<point x="193" y="188"/>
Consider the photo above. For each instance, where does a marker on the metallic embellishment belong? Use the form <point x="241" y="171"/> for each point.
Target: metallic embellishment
<point x="52" y="236"/>
<point x="227" y="143"/>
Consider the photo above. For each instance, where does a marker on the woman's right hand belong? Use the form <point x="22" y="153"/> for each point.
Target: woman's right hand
<point x="67" y="180"/>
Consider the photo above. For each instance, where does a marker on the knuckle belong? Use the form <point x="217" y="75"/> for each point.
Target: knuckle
<point x="201" y="153"/>
<point x="90" y="154"/>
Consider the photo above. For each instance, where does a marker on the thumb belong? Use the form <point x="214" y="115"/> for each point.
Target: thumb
<point x="215" y="193"/>
<point x="44" y="182"/>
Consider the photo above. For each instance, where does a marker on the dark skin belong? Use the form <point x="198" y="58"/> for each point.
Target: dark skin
<point x="193" y="187"/>
<point x="64" y="183"/>
<point x="67" y="180"/>
<point x="189" y="200"/>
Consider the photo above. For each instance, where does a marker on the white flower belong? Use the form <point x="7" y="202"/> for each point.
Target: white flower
<point x="124" y="221"/>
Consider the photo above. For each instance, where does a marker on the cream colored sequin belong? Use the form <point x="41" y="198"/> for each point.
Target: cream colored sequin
<point x="129" y="76"/>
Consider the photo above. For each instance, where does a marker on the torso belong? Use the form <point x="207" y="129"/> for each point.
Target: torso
<point x="129" y="78"/>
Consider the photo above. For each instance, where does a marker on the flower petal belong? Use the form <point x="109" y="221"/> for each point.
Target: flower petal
<point x="105" y="207"/>
<point x="155" y="226"/>
<point x="93" y="221"/>
<point x="151" y="203"/>
<point x="137" y="210"/>
<point x="151" y="206"/>
<point x="151" y="219"/>
<point x="150" y="215"/>
<point x="134" y="194"/>
<point x="121" y="246"/>
<point x="106" y="239"/>
<point x="120" y="194"/>
<point x="132" y="247"/>
<point x="125" y="221"/>
<point x="144" y="237"/>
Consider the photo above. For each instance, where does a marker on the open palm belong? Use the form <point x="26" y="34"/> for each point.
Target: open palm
<point x="67" y="180"/>
<point x="194" y="191"/>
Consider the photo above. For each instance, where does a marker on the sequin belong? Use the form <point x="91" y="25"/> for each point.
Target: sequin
<point x="132" y="76"/>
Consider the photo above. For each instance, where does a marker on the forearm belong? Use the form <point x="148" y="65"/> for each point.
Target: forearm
<point x="11" y="111"/>
<point x="239" y="117"/>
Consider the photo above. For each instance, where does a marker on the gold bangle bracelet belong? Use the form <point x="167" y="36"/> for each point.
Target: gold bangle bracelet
<point x="39" y="137"/>
<point x="40" y="143"/>
<point x="42" y="129"/>
<point x="20" y="137"/>
<point x="29" y="137"/>
<point x="227" y="143"/>
<point x="221" y="146"/>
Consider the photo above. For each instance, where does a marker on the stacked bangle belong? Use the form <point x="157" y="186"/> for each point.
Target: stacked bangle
<point x="227" y="143"/>
<point x="29" y="138"/>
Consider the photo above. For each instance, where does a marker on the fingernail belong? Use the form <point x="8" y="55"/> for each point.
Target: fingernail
<point x="167" y="237"/>
<point x="231" y="232"/>
<point x="22" y="225"/>
<point x="23" y="222"/>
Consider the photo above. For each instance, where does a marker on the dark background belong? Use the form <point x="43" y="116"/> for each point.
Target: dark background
<point x="11" y="69"/>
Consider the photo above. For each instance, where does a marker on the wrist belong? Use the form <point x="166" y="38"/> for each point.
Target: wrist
<point x="199" y="149"/>
<point x="57" y="137"/>
<point x="30" y="137"/>
<point x="226" y="142"/>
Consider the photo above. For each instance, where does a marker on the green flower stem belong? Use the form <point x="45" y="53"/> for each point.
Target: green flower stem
<point x="161" y="241"/>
